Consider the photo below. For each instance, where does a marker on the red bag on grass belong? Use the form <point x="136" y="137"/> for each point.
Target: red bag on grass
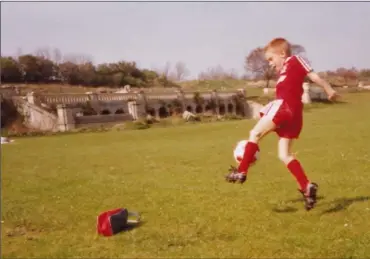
<point x="114" y="221"/>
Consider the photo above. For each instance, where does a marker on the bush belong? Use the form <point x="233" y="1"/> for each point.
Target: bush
<point x="9" y="113"/>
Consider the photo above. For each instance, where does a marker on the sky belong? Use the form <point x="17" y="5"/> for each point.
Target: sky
<point x="200" y="34"/>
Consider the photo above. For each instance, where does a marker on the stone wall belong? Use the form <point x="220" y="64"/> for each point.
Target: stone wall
<point x="36" y="117"/>
<point x="63" y="112"/>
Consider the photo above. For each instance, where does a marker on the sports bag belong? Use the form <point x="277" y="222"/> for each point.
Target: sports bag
<point x="114" y="221"/>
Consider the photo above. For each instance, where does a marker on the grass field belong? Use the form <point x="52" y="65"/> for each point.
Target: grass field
<point x="54" y="187"/>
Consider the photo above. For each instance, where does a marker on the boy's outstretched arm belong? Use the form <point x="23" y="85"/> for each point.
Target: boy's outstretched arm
<point x="332" y="94"/>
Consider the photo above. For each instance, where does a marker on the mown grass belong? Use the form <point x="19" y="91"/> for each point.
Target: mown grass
<point x="54" y="187"/>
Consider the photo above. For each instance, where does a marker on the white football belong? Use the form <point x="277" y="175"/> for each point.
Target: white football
<point x="239" y="151"/>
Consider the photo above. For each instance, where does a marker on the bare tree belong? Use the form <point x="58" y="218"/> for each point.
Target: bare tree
<point x="172" y="76"/>
<point x="57" y="56"/>
<point x="217" y="73"/>
<point x="298" y="49"/>
<point x="163" y="71"/>
<point x="18" y="53"/>
<point x="258" y="66"/>
<point x="78" y="59"/>
<point x="166" y="69"/>
<point x="256" y="63"/>
<point x="181" y="71"/>
<point x="43" y="52"/>
<point x="165" y="75"/>
<point x="233" y="74"/>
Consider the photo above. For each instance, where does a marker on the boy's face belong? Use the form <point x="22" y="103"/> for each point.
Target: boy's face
<point x="275" y="59"/>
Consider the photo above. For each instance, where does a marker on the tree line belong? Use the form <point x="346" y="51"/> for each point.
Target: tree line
<point x="45" y="66"/>
<point x="42" y="67"/>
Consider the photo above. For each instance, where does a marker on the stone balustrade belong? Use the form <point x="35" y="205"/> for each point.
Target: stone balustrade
<point x="103" y="108"/>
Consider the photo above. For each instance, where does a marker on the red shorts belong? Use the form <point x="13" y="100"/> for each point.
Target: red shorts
<point x="288" y="121"/>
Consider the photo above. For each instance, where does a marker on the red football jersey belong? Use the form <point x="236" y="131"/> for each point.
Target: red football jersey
<point x="289" y="86"/>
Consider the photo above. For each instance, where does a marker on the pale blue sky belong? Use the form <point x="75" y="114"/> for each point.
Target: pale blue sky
<point x="200" y="34"/>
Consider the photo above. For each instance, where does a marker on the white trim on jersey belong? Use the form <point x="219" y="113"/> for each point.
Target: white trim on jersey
<point x="288" y="58"/>
<point x="304" y="63"/>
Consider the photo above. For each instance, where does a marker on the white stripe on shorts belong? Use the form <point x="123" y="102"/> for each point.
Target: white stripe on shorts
<point x="272" y="108"/>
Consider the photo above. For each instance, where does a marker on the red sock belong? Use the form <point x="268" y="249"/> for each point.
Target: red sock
<point x="296" y="169"/>
<point x="249" y="152"/>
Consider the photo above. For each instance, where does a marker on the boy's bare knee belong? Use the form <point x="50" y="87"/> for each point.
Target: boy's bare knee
<point x="285" y="158"/>
<point x="255" y="135"/>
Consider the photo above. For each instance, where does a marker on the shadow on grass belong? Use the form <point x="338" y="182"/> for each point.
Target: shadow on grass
<point x="326" y="101"/>
<point x="289" y="209"/>
<point x="286" y="209"/>
<point x="319" y="198"/>
<point x="343" y="203"/>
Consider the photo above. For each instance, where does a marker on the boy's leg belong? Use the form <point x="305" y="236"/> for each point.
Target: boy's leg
<point x="308" y="189"/>
<point x="261" y="129"/>
<point x="271" y="115"/>
<point x="294" y="166"/>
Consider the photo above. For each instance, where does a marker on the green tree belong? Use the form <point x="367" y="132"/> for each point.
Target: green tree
<point x="10" y="71"/>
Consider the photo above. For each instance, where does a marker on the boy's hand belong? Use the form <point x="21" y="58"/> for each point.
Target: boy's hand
<point x="332" y="95"/>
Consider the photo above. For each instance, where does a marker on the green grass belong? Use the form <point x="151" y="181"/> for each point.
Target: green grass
<point x="54" y="187"/>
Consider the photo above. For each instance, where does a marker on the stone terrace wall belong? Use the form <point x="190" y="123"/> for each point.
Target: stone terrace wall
<point x="67" y="111"/>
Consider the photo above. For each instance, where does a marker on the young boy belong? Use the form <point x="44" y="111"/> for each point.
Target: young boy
<point x="284" y="115"/>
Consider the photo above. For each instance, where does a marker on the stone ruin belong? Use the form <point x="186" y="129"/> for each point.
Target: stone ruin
<point x="63" y="112"/>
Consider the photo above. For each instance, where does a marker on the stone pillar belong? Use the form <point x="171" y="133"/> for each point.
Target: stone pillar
<point x="234" y="108"/>
<point x="216" y="100"/>
<point x="66" y="119"/>
<point x="93" y="97"/>
<point x="181" y="97"/>
<point x="132" y="109"/>
<point x="203" y="108"/>
<point x="141" y="105"/>
<point x="129" y="108"/>
<point x="306" y="93"/>
<point x="245" y="107"/>
<point x="31" y="98"/>
<point x="94" y="102"/>
<point x="156" y="113"/>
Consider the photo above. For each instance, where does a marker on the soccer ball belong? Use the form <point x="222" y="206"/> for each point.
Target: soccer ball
<point x="239" y="152"/>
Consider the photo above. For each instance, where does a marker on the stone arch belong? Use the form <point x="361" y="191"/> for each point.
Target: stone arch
<point x="239" y="109"/>
<point x="87" y="110"/>
<point x="120" y="111"/>
<point x="189" y="108"/>
<point x="163" y="112"/>
<point x="105" y="112"/>
<point x="171" y="109"/>
<point x="208" y="108"/>
<point x="222" y="109"/>
<point x="230" y="107"/>
<point x="198" y="109"/>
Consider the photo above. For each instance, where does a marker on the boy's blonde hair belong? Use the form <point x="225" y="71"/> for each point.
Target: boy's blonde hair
<point x="279" y="45"/>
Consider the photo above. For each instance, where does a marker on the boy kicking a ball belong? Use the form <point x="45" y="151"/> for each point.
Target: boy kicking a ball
<point x="284" y="115"/>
